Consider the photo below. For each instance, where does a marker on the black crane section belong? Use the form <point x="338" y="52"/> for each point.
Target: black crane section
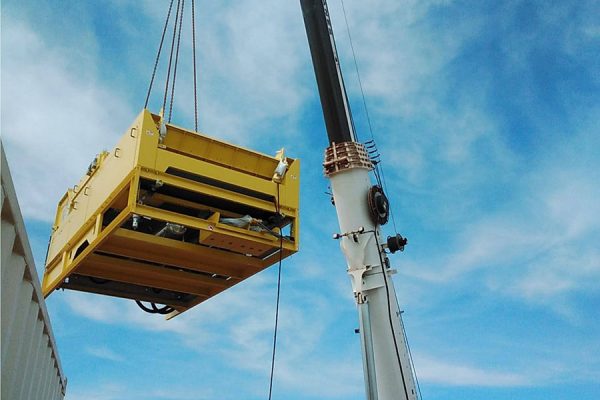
<point x="336" y="109"/>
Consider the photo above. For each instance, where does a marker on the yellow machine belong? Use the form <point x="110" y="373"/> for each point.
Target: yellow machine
<point x="173" y="217"/>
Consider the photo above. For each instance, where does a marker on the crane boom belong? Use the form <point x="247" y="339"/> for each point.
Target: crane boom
<point x="334" y="100"/>
<point x="361" y="208"/>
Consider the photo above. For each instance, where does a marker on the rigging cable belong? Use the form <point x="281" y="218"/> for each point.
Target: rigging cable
<point x="380" y="176"/>
<point x="170" y="58"/>
<point x="410" y="354"/>
<point x="387" y="292"/>
<point x="378" y="167"/>
<point x="276" y="303"/>
<point x="194" y="57"/>
<point x="162" y="39"/>
<point x="177" y="27"/>
<point x="176" y="60"/>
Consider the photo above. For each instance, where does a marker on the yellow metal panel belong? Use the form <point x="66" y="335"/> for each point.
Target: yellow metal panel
<point x="290" y="187"/>
<point x="186" y="255"/>
<point x="73" y="218"/>
<point x="204" y="225"/>
<point x="158" y="199"/>
<point x="65" y="234"/>
<point x="220" y="153"/>
<point x="237" y="244"/>
<point x="115" y="168"/>
<point x="57" y="272"/>
<point x="209" y="190"/>
<point x="147" y="182"/>
<point x="149" y="275"/>
<point x="166" y="159"/>
<point x="146" y="133"/>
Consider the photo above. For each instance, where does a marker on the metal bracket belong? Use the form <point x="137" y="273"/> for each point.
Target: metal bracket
<point x="353" y="234"/>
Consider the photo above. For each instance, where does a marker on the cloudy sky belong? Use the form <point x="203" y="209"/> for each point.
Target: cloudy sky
<point x="486" y="114"/>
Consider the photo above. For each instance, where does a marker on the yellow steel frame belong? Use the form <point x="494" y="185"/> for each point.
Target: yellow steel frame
<point x="84" y="244"/>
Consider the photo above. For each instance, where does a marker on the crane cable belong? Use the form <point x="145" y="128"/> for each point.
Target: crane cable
<point x="172" y="67"/>
<point x="167" y="81"/>
<point x="162" y="39"/>
<point x="194" y="60"/>
<point x="176" y="60"/>
<point x="379" y="174"/>
<point x="177" y="27"/>
<point x="276" y="302"/>
<point x="177" y="33"/>
<point x="389" y="307"/>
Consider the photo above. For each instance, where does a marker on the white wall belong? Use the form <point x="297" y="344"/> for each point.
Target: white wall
<point x="30" y="364"/>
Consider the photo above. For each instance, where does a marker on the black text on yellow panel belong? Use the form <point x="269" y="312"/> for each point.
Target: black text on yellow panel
<point x="173" y="217"/>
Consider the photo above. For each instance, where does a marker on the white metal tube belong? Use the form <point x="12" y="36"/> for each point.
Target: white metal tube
<point x="393" y="379"/>
<point x="366" y="342"/>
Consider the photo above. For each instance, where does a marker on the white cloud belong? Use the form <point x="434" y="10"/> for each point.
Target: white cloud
<point x="533" y="242"/>
<point x="447" y="373"/>
<point x="540" y="245"/>
<point x="59" y="109"/>
<point x="55" y="117"/>
<point x="113" y="391"/>
<point x="106" y="391"/>
<point x="104" y="353"/>
<point x="237" y="327"/>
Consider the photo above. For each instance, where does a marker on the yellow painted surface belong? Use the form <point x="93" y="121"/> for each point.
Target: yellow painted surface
<point x="185" y="178"/>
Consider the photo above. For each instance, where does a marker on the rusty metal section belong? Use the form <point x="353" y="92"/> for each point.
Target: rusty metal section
<point x="346" y="155"/>
<point x="31" y="367"/>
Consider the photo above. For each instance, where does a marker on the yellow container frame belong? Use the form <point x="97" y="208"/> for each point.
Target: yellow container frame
<point x="179" y="177"/>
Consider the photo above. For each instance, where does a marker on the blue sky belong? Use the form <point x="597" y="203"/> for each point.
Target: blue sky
<point x="486" y="115"/>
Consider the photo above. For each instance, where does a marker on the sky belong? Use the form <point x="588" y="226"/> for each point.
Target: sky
<point x="486" y="116"/>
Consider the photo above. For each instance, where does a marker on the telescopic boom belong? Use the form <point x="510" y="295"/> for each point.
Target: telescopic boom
<point x="361" y="208"/>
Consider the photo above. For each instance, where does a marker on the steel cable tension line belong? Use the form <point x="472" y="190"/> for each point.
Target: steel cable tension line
<point x="272" y="374"/>
<point x="170" y="83"/>
<point x="380" y="209"/>
<point x="154" y="309"/>
<point x="194" y="66"/>
<point x="176" y="60"/>
<point x="162" y="39"/>
<point x="379" y="173"/>
<point x="172" y="66"/>
<point x="361" y="208"/>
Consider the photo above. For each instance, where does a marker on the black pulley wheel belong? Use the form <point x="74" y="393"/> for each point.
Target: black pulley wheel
<point x="379" y="206"/>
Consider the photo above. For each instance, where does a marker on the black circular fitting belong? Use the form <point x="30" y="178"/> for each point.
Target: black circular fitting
<point x="395" y="243"/>
<point x="379" y="206"/>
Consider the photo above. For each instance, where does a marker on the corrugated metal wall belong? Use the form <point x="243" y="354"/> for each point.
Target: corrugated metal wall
<point x="30" y="364"/>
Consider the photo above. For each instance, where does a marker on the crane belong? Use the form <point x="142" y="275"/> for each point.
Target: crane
<point x="361" y="209"/>
<point x="159" y="219"/>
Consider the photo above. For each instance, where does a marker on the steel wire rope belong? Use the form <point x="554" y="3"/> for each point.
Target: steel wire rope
<point x="410" y="355"/>
<point x="378" y="166"/>
<point x="389" y="306"/>
<point x="177" y="27"/>
<point x="380" y="176"/>
<point x="171" y="58"/>
<point x="162" y="39"/>
<point x="176" y="60"/>
<point x="194" y="59"/>
<point x="276" y="302"/>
